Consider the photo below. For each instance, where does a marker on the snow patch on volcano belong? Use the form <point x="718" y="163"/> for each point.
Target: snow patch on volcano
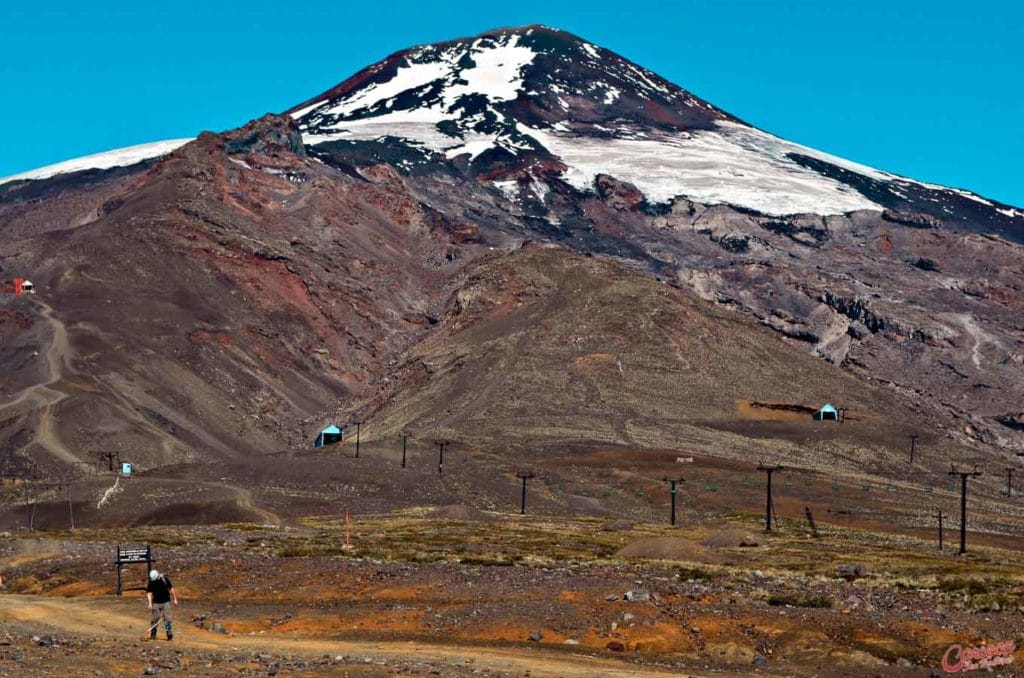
<point x="735" y="164"/>
<point x="121" y="157"/>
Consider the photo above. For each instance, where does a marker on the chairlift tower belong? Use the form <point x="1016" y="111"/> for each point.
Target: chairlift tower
<point x="524" y="476"/>
<point x="964" y="475"/>
<point x="672" y="492"/>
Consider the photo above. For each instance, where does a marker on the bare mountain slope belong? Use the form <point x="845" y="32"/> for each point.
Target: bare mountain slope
<point x="231" y="297"/>
<point x="220" y="299"/>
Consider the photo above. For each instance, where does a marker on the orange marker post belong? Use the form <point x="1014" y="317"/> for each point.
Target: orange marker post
<point x="347" y="546"/>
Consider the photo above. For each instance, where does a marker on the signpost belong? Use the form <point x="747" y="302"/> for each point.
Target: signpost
<point x="131" y="556"/>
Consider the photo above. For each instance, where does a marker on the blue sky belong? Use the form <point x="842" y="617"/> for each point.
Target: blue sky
<point x="932" y="90"/>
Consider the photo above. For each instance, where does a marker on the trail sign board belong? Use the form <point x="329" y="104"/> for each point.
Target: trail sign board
<point x="126" y="468"/>
<point x="132" y="556"/>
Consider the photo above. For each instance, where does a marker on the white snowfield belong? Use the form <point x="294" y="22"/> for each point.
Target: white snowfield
<point x="732" y="164"/>
<point x="121" y="157"/>
<point x="444" y="100"/>
<point x="496" y="74"/>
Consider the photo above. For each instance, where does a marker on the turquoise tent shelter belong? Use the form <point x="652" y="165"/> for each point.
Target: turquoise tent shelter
<point x="827" y="413"/>
<point x="329" y="436"/>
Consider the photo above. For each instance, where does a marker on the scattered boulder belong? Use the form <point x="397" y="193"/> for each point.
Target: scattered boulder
<point x="850" y="572"/>
<point x="536" y="636"/>
<point x="611" y="597"/>
<point x="637" y="596"/>
<point x="615" y="646"/>
<point x="217" y="627"/>
<point x="855" y="602"/>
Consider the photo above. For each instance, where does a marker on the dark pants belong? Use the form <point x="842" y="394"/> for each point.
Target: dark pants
<point x="160" y="610"/>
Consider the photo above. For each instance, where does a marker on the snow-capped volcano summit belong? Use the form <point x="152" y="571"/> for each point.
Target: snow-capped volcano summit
<point x="498" y="102"/>
<point x="523" y="107"/>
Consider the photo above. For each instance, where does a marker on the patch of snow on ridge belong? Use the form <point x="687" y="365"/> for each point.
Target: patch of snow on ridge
<point x="748" y="169"/>
<point x="497" y="73"/>
<point x="409" y="77"/>
<point x="121" y="157"/>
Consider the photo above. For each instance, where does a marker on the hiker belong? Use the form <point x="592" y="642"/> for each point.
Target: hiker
<point x="160" y="596"/>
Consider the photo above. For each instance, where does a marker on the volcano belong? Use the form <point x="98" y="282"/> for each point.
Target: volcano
<point x="518" y="239"/>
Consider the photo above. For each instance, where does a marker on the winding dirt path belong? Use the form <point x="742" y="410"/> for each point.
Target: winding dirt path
<point x="42" y="396"/>
<point x="125" y="619"/>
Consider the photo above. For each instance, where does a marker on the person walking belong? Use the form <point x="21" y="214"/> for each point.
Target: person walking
<point x="160" y="596"/>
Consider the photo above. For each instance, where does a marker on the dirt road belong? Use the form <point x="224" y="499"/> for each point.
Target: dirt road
<point x="42" y="396"/>
<point x="123" y="619"/>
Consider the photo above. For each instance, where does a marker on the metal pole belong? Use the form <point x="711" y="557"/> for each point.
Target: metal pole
<point x="358" y="425"/>
<point x="913" y="448"/>
<point x="768" y="501"/>
<point x="811" y="523"/>
<point x="524" y="475"/>
<point x="71" y="509"/>
<point x="440" y="457"/>
<point x="673" y="491"/>
<point x="963" y="513"/>
<point x="964" y="475"/>
<point x="940" y="530"/>
<point x="405" y="437"/>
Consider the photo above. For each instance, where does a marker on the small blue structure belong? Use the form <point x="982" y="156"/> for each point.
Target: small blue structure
<point x="827" y="413"/>
<point x="126" y="468"/>
<point x="329" y="436"/>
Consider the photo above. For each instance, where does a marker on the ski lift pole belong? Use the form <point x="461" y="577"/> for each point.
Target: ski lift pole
<point x="964" y="475"/>
<point x="768" y="501"/>
<point x="672" y="493"/>
<point x="524" y="476"/>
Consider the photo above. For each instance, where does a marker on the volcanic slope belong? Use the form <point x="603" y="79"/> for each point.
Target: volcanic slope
<point x="242" y="291"/>
<point x="545" y="349"/>
<point x="912" y="284"/>
<point x="216" y="302"/>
